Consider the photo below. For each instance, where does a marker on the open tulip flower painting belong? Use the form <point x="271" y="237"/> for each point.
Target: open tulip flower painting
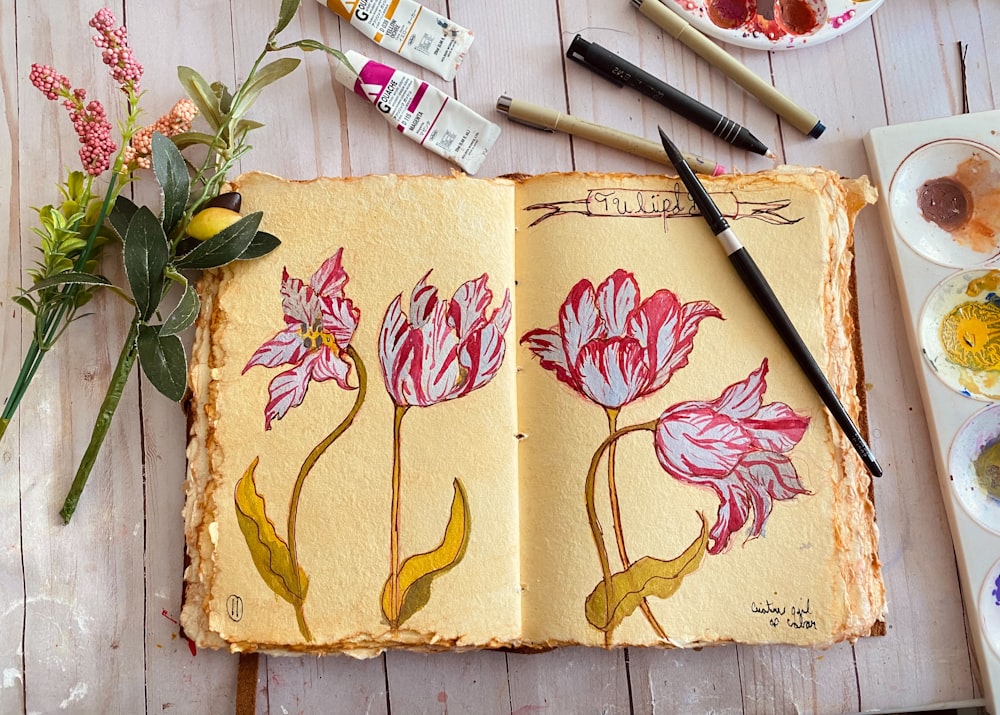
<point x="614" y="349"/>
<point x="316" y="343"/>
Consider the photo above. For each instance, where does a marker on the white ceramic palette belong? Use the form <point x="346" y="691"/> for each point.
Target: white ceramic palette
<point x="939" y="186"/>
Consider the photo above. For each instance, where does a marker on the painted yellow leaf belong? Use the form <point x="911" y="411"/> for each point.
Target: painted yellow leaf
<point x="269" y="552"/>
<point x="418" y="571"/>
<point x="645" y="577"/>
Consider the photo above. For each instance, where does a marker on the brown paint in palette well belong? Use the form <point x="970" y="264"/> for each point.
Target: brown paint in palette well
<point x="771" y="18"/>
<point x="965" y="204"/>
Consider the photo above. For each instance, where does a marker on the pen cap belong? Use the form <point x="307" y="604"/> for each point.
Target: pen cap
<point x="579" y="51"/>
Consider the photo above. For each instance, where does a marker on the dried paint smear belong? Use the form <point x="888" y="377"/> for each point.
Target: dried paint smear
<point x="965" y="204"/>
<point x="987" y="466"/>
<point x="773" y="19"/>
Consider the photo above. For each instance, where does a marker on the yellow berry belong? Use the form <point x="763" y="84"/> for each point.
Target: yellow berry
<point x="208" y="222"/>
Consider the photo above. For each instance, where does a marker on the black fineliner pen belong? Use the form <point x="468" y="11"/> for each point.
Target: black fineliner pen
<point x="759" y="288"/>
<point x="623" y="73"/>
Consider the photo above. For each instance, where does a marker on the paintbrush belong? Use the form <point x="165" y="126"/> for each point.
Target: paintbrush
<point x="758" y="286"/>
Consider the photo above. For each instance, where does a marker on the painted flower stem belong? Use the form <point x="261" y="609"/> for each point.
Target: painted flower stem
<point x="589" y="495"/>
<point x="300" y="480"/>
<point x="616" y="517"/>
<point x="126" y="361"/>
<point x="395" y="595"/>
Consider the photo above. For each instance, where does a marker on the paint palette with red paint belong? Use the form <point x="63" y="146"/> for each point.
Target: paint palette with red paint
<point x="774" y="24"/>
<point x="940" y="186"/>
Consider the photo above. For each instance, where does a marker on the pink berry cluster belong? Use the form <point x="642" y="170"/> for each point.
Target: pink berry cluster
<point x="90" y="121"/>
<point x="178" y="120"/>
<point x="48" y="81"/>
<point x="115" y="51"/>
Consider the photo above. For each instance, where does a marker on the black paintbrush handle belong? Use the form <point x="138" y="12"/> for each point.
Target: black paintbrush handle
<point x="760" y="289"/>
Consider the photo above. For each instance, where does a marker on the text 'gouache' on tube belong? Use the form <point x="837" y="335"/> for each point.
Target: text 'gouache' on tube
<point x="410" y="30"/>
<point x="421" y="112"/>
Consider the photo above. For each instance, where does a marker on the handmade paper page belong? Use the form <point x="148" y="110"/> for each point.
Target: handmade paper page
<point x="354" y="455"/>
<point x="681" y="481"/>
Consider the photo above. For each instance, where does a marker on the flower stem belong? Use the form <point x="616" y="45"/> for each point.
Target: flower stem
<point x="616" y="517"/>
<point x="394" y="594"/>
<point x="595" y="524"/>
<point x="307" y="465"/>
<point x="126" y="360"/>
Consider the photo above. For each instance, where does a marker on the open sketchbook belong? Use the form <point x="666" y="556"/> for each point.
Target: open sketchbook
<point x="527" y="412"/>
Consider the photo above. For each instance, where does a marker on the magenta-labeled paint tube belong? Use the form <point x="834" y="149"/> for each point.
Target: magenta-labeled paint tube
<point x="421" y="111"/>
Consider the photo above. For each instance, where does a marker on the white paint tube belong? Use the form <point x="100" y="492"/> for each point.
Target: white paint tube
<point x="421" y="112"/>
<point x="410" y="30"/>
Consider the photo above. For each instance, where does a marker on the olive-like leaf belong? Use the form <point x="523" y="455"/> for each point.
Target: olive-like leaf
<point x="120" y="215"/>
<point x="266" y="75"/>
<point x="186" y="139"/>
<point x="172" y="175"/>
<point x="285" y="15"/>
<point x="163" y="361"/>
<point x="200" y="92"/>
<point x="417" y="572"/>
<point x="314" y="46"/>
<point x="146" y="257"/>
<point x="225" y="246"/>
<point x="72" y="277"/>
<point x="262" y="244"/>
<point x="184" y="314"/>
<point x="269" y="552"/>
<point x="645" y="577"/>
<point x="25" y="303"/>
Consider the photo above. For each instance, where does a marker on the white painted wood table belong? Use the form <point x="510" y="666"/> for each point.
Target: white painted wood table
<point x="88" y="611"/>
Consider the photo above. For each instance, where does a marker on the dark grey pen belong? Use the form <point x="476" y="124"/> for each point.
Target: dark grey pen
<point x="760" y="289"/>
<point x="622" y="73"/>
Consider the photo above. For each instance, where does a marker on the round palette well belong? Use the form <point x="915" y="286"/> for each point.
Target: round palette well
<point x="774" y="24"/>
<point x="959" y="333"/>
<point x="974" y="466"/>
<point x="989" y="608"/>
<point x="944" y="199"/>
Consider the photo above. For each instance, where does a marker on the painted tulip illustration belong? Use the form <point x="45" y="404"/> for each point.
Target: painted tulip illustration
<point x="614" y="348"/>
<point x="442" y="350"/>
<point x="319" y="325"/>
<point x="737" y="446"/>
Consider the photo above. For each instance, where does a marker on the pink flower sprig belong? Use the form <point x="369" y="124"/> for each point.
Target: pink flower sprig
<point x="138" y="153"/>
<point x="90" y="121"/>
<point x="116" y="53"/>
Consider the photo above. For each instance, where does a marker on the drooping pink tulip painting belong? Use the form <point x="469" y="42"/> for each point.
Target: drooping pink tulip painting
<point x="614" y="349"/>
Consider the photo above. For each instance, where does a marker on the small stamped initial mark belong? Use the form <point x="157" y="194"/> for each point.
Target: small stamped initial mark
<point x="234" y="606"/>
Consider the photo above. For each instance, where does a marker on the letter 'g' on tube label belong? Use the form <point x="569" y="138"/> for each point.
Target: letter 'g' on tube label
<point x="410" y="30"/>
<point x="421" y="112"/>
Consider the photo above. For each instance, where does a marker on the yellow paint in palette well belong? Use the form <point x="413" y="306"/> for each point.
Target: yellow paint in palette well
<point x="970" y="332"/>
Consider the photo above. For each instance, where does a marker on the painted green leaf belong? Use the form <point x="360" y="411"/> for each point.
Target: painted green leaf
<point x="121" y="214"/>
<point x="645" y="577"/>
<point x="417" y="572"/>
<point x="269" y="552"/>
<point x="225" y="246"/>
<point x="146" y="255"/>
<point x="172" y="175"/>
<point x="200" y="92"/>
<point x="163" y="361"/>
<point x="184" y="314"/>
<point x="262" y="244"/>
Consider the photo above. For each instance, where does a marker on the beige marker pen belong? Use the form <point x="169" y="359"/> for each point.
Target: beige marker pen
<point x="551" y="120"/>
<point x="679" y="28"/>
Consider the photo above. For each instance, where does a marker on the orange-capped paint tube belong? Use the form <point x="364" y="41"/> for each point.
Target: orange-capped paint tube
<point x="421" y="111"/>
<point x="410" y="30"/>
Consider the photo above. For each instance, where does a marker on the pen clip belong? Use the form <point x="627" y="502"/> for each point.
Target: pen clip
<point x="576" y="52"/>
